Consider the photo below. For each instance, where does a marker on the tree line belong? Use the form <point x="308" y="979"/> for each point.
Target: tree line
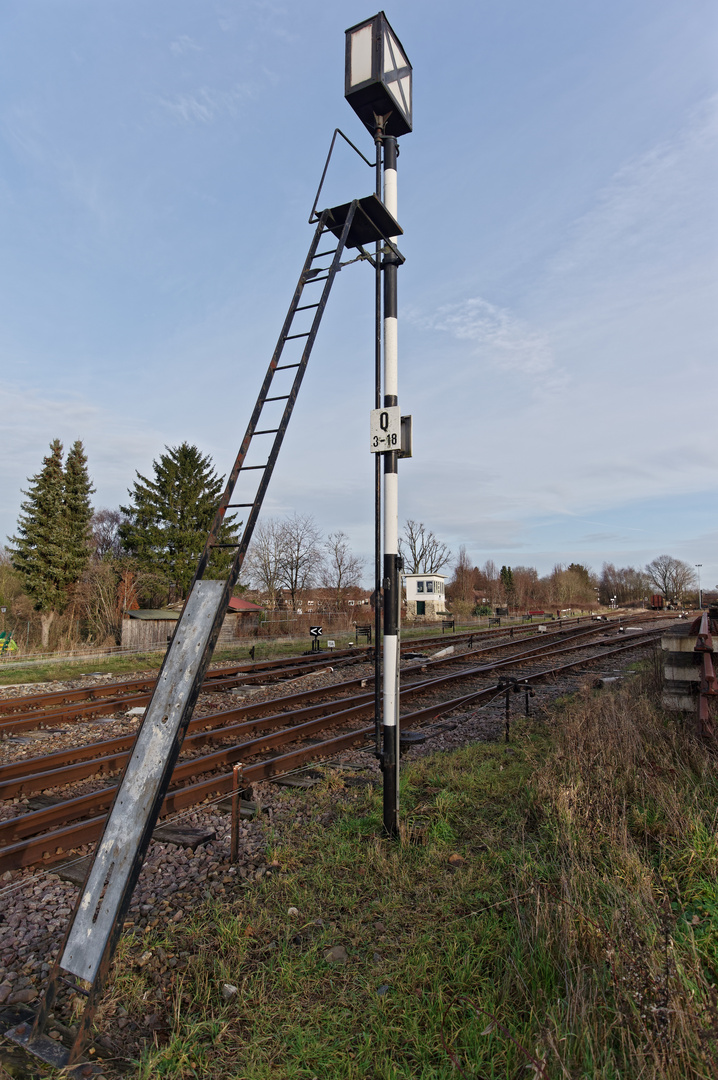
<point x="69" y="564"/>
<point x="80" y="568"/>
<point x="480" y="589"/>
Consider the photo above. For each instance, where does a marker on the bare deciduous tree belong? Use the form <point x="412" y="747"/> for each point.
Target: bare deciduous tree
<point x="10" y="581"/>
<point x="487" y="582"/>
<point x="672" y="576"/>
<point x="626" y="583"/>
<point x="461" y="586"/>
<point x="263" y="561"/>
<point x="105" y="525"/>
<point x="527" y="589"/>
<point x="96" y="597"/>
<point x="422" y="551"/>
<point x="341" y="569"/>
<point x="300" y="555"/>
<point x="571" y="586"/>
<point x="285" y="555"/>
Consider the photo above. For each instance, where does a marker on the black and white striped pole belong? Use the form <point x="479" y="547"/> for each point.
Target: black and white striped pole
<point x="378" y="86"/>
<point x="391" y="580"/>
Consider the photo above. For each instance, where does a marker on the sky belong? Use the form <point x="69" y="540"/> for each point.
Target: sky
<point x="558" y="317"/>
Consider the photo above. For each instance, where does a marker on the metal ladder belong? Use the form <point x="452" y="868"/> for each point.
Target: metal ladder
<point x="96" y="923"/>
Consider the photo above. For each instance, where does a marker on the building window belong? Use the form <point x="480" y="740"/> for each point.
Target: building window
<point x="420" y="586"/>
<point x="430" y="586"/>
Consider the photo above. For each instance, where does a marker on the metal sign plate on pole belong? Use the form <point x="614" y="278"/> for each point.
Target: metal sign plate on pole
<point x="315" y="631"/>
<point x="385" y="429"/>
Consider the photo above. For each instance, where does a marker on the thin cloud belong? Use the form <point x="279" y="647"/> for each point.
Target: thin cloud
<point x="183" y="45"/>
<point x="500" y="339"/>
<point x="205" y="105"/>
<point x="652" y="227"/>
<point x="22" y="130"/>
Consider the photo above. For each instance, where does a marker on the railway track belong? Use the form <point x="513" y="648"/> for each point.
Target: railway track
<point x="48" y="770"/>
<point x="34" y="711"/>
<point x="271" y="738"/>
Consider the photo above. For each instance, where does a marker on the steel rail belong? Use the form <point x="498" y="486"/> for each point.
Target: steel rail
<point x="33" y="822"/>
<point x="114" y="759"/>
<point x="33" y="719"/>
<point x="255" y="671"/>
<point x="86" y="693"/>
<point x="50" y="847"/>
<point x="521" y="658"/>
<point x="62" y="767"/>
<point x="22" y="778"/>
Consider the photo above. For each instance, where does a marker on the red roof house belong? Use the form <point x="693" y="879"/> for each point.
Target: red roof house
<point x="238" y="603"/>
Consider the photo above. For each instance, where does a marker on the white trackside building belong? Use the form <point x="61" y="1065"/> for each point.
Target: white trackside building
<point x="425" y="596"/>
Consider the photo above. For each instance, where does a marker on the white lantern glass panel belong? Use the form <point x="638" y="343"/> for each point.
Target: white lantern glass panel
<point x="401" y="91"/>
<point x="397" y="76"/>
<point x="393" y="56"/>
<point x="361" y="54"/>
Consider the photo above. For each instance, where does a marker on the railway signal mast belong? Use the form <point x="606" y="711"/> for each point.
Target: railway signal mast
<point x="378" y="86"/>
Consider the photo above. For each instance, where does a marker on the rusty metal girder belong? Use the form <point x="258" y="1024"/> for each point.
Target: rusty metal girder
<point x="707" y="687"/>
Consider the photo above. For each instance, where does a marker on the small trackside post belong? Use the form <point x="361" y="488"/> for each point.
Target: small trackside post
<point x="237" y="785"/>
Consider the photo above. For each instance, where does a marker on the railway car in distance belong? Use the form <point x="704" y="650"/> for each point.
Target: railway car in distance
<point x="657" y="602"/>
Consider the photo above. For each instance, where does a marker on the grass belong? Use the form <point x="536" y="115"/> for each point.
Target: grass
<point x="550" y="913"/>
<point x="38" y="671"/>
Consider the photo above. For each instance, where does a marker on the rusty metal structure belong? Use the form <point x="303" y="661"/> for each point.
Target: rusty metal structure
<point x="707" y="688"/>
<point x="690" y="684"/>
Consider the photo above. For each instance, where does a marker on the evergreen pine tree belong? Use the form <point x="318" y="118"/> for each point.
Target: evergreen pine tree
<point x="78" y="511"/>
<point x="50" y="549"/>
<point x="507" y="581"/>
<point x="169" y="517"/>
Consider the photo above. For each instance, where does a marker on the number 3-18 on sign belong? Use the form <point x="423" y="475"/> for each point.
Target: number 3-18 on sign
<point x="385" y="429"/>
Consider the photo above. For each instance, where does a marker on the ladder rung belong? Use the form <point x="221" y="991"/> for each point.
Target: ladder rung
<point x="313" y="280"/>
<point x="268" y="431"/>
<point x="246" y="468"/>
<point x="281" y="397"/>
<point x="224" y="545"/>
<point x="321" y="254"/>
<point x="73" y="986"/>
<point x="306" y="307"/>
<point x="283" y="367"/>
<point x="234" y="506"/>
<point x="290" y="337"/>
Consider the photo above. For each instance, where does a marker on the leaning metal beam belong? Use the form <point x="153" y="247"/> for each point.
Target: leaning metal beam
<point x="142" y="786"/>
